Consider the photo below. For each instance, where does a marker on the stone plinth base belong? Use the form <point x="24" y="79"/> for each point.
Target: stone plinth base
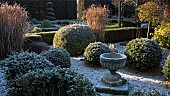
<point x="117" y="90"/>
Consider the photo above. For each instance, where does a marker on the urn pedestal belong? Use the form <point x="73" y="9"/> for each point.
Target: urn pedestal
<point x="112" y="82"/>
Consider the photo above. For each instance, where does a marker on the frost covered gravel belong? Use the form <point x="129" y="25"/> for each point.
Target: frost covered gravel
<point x="136" y="81"/>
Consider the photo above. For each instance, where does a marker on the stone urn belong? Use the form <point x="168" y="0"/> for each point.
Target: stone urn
<point x="113" y="62"/>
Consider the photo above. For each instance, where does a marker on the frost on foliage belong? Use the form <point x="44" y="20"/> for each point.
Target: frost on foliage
<point x="143" y="53"/>
<point x="53" y="82"/>
<point x="20" y="63"/>
<point x="58" y="56"/>
<point x="94" y="50"/>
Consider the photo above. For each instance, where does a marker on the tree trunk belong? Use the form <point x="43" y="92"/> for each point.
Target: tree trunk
<point x="149" y="23"/>
<point x="136" y="13"/>
<point x="119" y="13"/>
<point x="80" y="9"/>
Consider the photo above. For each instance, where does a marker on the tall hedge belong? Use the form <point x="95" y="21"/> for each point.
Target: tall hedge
<point x="65" y="9"/>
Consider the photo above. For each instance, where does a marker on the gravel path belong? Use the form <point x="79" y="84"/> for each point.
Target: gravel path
<point x="137" y="82"/>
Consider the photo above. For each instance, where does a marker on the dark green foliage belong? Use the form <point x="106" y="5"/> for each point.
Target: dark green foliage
<point x="124" y="34"/>
<point x="34" y="38"/>
<point x="94" y="50"/>
<point x="143" y="53"/>
<point x="65" y="22"/>
<point x="114" y="24"/>
<point x="75" y="38"/>
<point x="18" y="64"/>
<point x="37" y="47"/>
<point x="166" y="68"/>
<point x="50" y="15"/>
<point x="58" y="56"/>
<point x="55" y="82"/>
<point x="46" y="24"/>
<point x="35" y="21"/>
<point x="47" y="37"/>
<point x="129" y="24"/>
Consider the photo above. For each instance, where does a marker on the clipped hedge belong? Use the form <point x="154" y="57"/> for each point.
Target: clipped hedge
<point x="36" y="30"/>
<point x="49" y="29"/>
<point x="129" y="24"/>
<point x="33" y="38"/>
<point x="36" y="8"/>
<point x="47" y="37"/>
<point x="111" y="35"/>
<point x="125" y="34"/>
<point x="125" y="23"/>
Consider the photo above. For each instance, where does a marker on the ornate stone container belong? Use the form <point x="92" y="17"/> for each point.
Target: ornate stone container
<point x="113" y="62"/>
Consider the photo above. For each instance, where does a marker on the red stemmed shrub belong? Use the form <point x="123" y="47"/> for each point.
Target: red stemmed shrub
<point x="97" y="18"/>
<point x="13" y="26"/>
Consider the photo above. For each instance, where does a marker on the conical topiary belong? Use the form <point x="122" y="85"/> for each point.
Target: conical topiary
<point x="50" y="15"/>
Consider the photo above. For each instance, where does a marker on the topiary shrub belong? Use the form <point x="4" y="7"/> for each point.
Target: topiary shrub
<point x="35" y="21"/>
<point x="166" y="68"/>
<point x="58" y="56"/>
<point x="162" y="35"/>
<point x="46" y="24"/>
<point x="75" y="38"/>
<point x="33" y="37"/>
<point x="55" y="82"/>
<point x="47" y="37"/>
<point x="36" y="30"/>
<point x="143" y="53"/>
<point x="94" y="50"/>
<point x="50" y="15"/>
<point x="20" y="63"/>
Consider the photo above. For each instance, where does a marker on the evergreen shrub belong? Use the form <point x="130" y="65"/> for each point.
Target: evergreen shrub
<point x="75" y="38"/>
<point x="143" y="53"/>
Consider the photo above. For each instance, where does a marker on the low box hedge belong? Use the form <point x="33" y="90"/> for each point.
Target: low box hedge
<point x="125" y="34"/>
<point x="125" y="23"/>
<point x="47" y="37"/>
<point x="129" y="24"/>
<point x="111" y="35"/>
<point x="49" y="29"/>
<point x="34" y="37"/>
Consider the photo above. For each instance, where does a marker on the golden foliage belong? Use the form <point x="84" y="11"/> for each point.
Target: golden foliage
<point x="150" y="11"/>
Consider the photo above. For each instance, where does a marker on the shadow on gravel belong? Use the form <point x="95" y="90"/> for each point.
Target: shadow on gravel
<point x="92" y="64"/>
